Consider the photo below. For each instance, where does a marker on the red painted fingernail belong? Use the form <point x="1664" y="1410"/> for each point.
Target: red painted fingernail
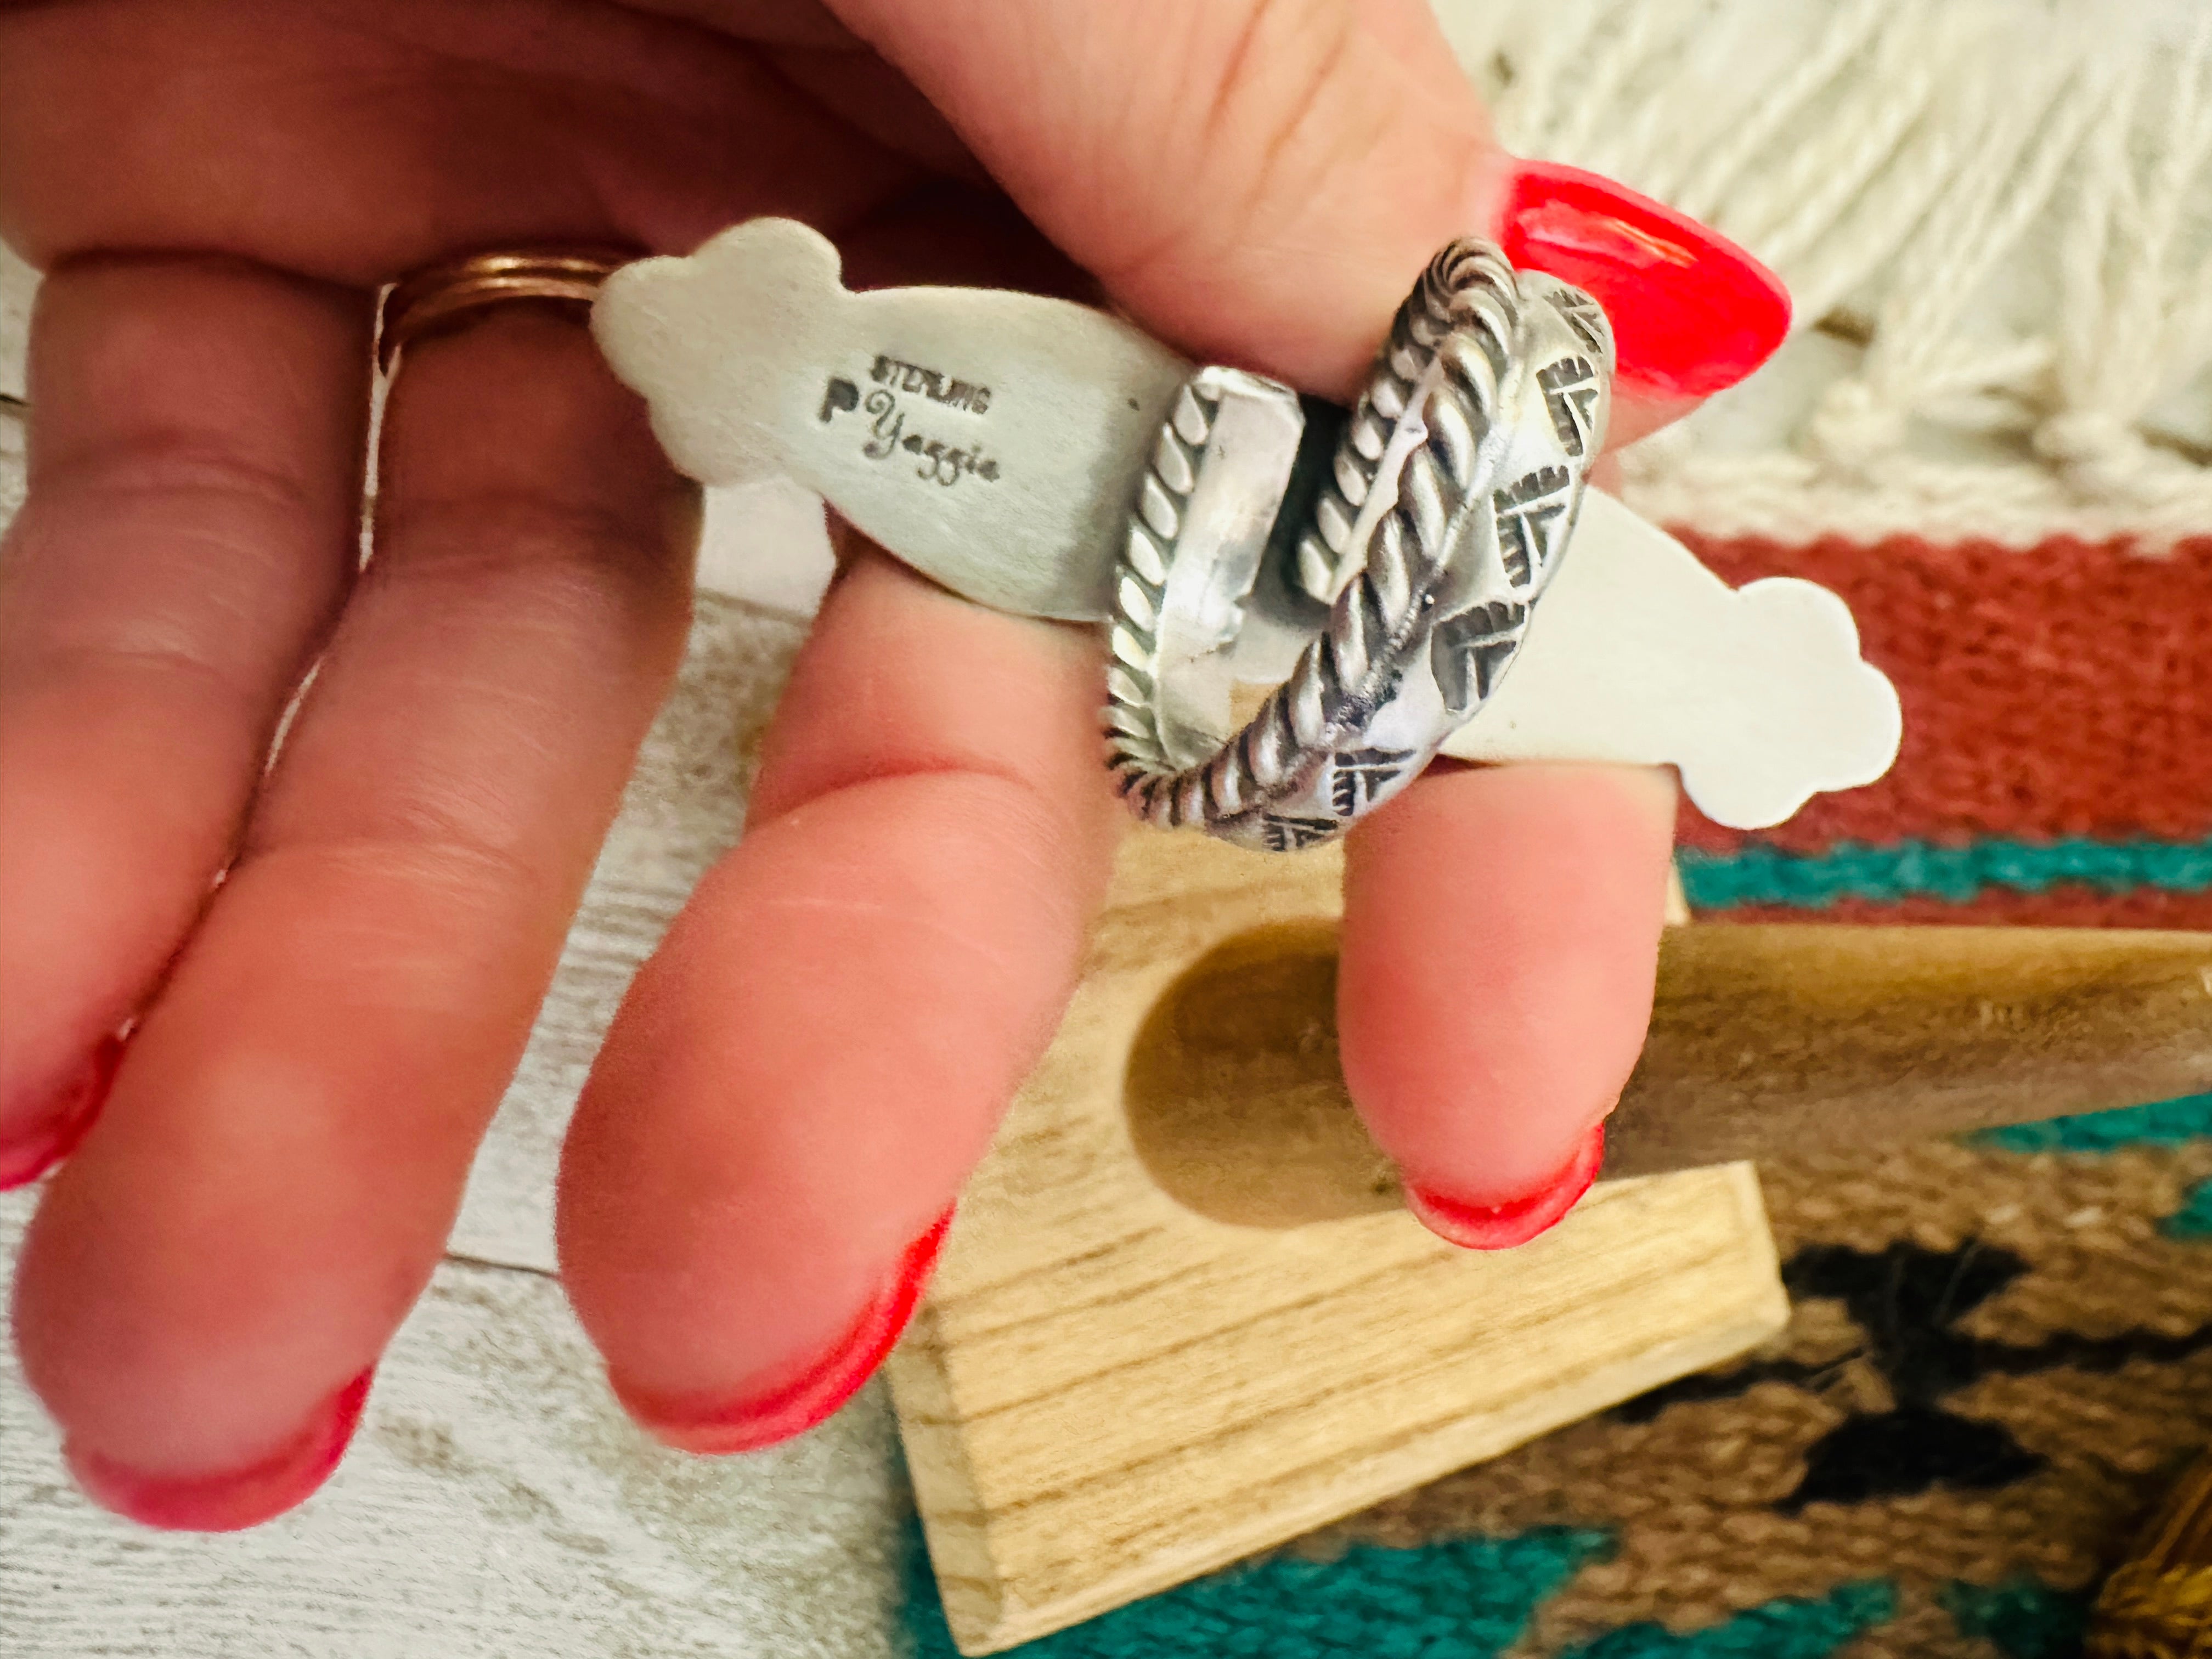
<point x="764" y="1419"/>
<point x="226" y="1502"/>
<point x="56" y="1128"/>
<point x="1692" y="311"/>
<point x="1502" y="1226"/>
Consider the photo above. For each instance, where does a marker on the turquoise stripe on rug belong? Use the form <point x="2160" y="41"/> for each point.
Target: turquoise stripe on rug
<point x="2168" y="1123"/>
<point x="2194" y="1218"/>
<point x="1458" y="1598"/>
<point x="1461" y="1598"/>
<point x="1884" y="874"/>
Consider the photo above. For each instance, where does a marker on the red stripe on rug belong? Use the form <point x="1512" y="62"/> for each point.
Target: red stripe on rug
<point x="2056" y="907"/>
<point x="2062" y="689"/>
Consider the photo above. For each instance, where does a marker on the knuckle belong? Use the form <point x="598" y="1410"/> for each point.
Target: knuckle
<point x="571" y="572"/>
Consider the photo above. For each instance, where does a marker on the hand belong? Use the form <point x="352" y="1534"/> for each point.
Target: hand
<point x="333" y="967"/>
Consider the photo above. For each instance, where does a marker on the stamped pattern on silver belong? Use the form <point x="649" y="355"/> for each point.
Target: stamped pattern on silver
<point x="1449" y="503"/>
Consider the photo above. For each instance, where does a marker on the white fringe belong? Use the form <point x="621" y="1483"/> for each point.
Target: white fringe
<point x="1995" y="217"/>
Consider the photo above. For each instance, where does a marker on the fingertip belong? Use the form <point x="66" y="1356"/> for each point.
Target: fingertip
<point x="796" y="1087"/>
<point x="1500" y="945"/>
<point x="229" y="1500"/>
<point x="768" y="1411"/>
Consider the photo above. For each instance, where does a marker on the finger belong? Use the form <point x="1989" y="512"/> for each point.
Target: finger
<point x="1259" y="180"/>
<point x="285" y="1145"/>
<point x="197" y="430"/>
<point x="1501" y="935"/>
<point x="804" y="1073"/>
<point x="458" y="130"/>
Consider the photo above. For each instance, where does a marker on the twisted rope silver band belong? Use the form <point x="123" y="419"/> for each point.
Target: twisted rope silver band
<point x="1451" y="497"/>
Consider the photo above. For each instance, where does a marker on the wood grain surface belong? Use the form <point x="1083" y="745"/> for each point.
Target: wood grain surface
<point x="1108" y="1392"/>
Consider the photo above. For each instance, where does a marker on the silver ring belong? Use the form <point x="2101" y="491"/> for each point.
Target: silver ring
<point x="1437" y="525"/>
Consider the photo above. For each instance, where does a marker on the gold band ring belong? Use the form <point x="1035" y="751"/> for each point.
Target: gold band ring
<point x="439" y="295"/>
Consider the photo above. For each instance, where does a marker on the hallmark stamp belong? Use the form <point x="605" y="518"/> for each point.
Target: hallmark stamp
<point x="981" y="435"/>
<point x="933" y="384"/>
<point x="885" y="422"/>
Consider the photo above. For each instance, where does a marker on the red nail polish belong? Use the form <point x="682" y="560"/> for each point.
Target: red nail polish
<point x="1692" y="311"/>
<point x="227" y="1503"/>
<point x="765" y="1419"/>
<point x="1503" y="1226"/>
<point x="55" y="1130"/>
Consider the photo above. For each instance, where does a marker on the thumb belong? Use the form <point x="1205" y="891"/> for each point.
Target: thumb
<point x="1258" y="181"/>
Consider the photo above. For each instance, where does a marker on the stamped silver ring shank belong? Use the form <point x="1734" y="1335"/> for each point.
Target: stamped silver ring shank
<point x="1447" y="504"/>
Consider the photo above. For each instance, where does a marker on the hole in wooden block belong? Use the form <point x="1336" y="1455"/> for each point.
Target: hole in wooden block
<point x="1236" y="1101"/>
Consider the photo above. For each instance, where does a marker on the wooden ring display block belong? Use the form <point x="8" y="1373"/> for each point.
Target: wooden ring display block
<point x="1108" y="1392"/>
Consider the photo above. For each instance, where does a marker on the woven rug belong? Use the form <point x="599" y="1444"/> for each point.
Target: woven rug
<point x="2002" y="1349"/>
